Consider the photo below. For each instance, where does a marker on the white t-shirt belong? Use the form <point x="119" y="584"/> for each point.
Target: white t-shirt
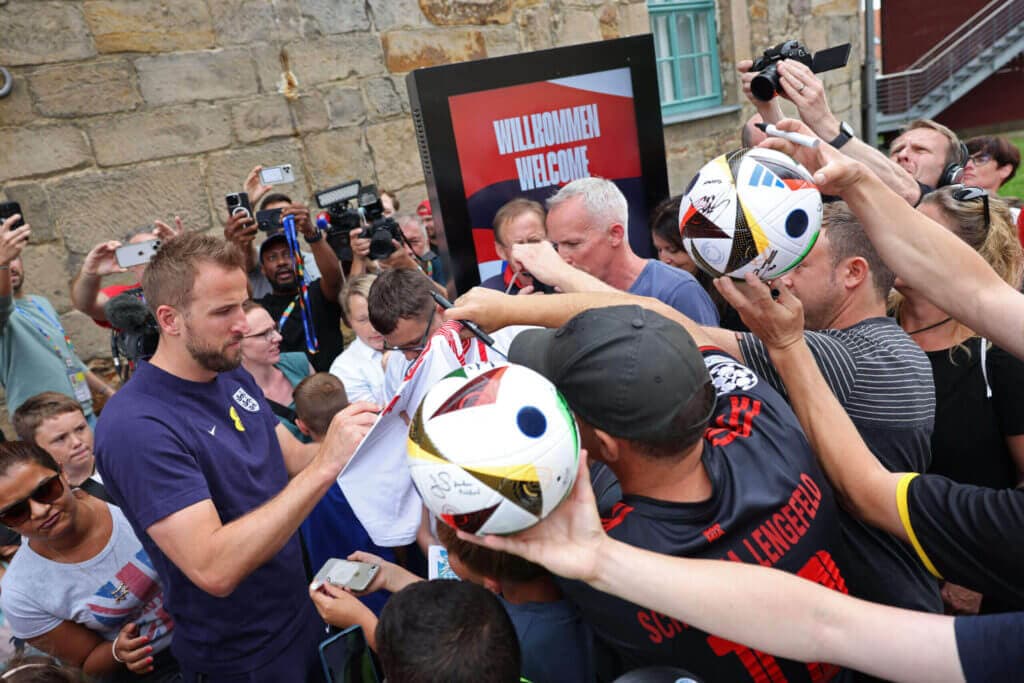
<point x="103" y="593"/>
<point x="359" y="369"/>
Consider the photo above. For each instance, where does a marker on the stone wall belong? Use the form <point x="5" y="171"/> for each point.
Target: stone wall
<point x="124" y="111"/>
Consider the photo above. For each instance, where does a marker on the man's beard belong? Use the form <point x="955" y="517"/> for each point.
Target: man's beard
<point x="214" y="360"/>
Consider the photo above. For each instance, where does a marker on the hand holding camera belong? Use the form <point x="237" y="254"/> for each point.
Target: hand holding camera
<point x="254" y="187"/>
<point x="12" y="241"/>
<point x="240" y="229"/>
<point x="102" y="260"/>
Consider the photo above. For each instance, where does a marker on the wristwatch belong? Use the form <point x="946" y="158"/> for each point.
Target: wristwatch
<point x="845" y="133"/>
<point x="319" y="236"/>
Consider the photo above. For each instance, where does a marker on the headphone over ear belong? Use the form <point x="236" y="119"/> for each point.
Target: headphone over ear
<point x="954" y="172"/>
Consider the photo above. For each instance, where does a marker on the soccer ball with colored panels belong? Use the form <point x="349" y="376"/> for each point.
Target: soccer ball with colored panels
<point x="752" y="210"/>
<point x="493" y="450"/>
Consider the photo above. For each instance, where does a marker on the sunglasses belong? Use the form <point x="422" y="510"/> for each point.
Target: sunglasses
<point x="966" y="194"/>
<point x="48" y="491"/>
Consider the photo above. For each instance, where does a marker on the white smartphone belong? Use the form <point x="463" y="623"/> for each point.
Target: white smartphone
<point x="136" y="254"/>
<point x="352" y="575"/>
<point x="277" y="175"/>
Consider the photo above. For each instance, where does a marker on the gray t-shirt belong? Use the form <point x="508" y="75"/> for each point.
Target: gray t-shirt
<point x="104" y="593"/>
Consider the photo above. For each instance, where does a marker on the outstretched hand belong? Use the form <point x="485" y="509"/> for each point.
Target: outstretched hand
<point x="568" y="542"/>
<point x="833" y="171"/>
<point x="485" y="307"/>
<point x="775" y="316"/>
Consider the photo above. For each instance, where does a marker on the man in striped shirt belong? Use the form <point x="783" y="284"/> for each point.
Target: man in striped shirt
<point x="880" y="376"/>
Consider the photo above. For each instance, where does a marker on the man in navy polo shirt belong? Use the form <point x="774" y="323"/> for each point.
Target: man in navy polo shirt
<point x="193" y="454"/>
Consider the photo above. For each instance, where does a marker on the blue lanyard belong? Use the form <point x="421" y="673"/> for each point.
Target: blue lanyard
<point x="312" y="345"/>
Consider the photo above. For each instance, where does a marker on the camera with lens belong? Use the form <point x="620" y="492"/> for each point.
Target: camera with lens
<point x="340" y="217"/>
<point x="766" y="84"/>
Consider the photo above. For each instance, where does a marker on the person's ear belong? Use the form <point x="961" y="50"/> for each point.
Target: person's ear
<point x="608" y="445"/>
<point x="170" y="320"/>
<point x="856" y="271"/>
<point x="617" y="234"/>
<point x="303" y="427"/>
<point x="1004" y="172"/>
<point x="493" y="585"/>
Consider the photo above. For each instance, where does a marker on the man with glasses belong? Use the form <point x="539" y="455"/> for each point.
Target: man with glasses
<point x="992" y="163"/>
<point x="588" y="222"/>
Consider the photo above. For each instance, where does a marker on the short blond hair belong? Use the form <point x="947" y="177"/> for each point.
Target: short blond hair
<point x="954" y="154"/>
<point x="171" y="275"/>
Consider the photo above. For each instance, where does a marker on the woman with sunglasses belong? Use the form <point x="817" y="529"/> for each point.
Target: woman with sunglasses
<point x="81" y="587"/>
<point x="276" y="373"/>
<point x="979" y="388"/>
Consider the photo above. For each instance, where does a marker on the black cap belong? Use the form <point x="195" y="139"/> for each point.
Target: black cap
<point x="624" y="369"/>
<point x="272" y="239"/>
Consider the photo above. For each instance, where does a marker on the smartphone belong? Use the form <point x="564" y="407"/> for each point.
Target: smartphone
<point x="269" y="220"/>
<point x="346" y="659"/>
<point x="8" y="209"/>
<point x="238" y="202"/>
<point x="352" y="575"/>
<point x="136" y="254"/>
<point x="277" y="175"/>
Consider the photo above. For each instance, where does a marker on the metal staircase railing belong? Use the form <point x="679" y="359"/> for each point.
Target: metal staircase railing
<point x="950" y="69"/>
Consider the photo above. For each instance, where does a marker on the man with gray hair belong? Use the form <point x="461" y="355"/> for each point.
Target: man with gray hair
<point x="588" y="223"/>
<point x="418" y="244"/>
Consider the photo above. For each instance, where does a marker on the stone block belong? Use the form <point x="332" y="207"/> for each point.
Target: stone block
<point x="265" y="117"/>
<point x="578" y="26"/>
<point x="345" y="106"/>
<point x="395" y="153"/>
<point x="46" y="272"/>
<point x="328" y="17"/>
<point x="608" y="20"/>
<point x="634" y="20"/>
<point x="162" y="133"/>
<point x="388" y="15"/>
<point x="408" y="50"/>
<point x="91" y="340"/>
<point x="94" y="206"/>
<point x="310" y="113"/>
<point x="73" y="90"/>
<point x="334" y="58"/>
<point x="840" y="102"/>
<point x="16" y="108"/>
<point x="382" y="96"/>
<point x="247" y="22"/>
<point x="35" y="208"/>
<point x="815" y="34"/>
<point x="501" y="40"/>
<point x="226" y="171"/>
<point x="846" y="29"/>
<point x="190" y="76"/>
<point x="43" y="33"/>
<point x="410" y="197"/>
<point x="535" y="23"/>
<point x="463" y="12"/>
<point x="834" y="7"/>
<point x="42" y="149"/>
<point x="338" y="155"/>
<point x="149" y="25"/>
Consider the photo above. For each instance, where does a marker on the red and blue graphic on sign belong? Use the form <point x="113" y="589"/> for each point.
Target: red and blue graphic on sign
<point x="529" y="140"/>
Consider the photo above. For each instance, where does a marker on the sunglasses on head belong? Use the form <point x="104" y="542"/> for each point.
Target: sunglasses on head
<point x="48" y="491"/>
<point x="966" y="194"/>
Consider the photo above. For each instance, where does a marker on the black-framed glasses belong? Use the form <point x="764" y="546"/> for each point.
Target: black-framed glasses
<point x="418" y="346"/>
<point x="979" y="158"/>
<point x="966" y="194"/>
<point x="48" y="491"/>
<point x="267" y="335"/>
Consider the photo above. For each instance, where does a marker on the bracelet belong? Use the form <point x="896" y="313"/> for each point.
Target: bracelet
<point x="113" y="650"/>
<point x="319" y="236"/>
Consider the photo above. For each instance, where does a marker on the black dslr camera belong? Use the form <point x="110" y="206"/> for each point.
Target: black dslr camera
<point x="766" y="84"/>
<point x="339" y="218"/>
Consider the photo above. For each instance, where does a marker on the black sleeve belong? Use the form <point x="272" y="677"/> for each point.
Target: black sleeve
<point x="833" y="358"/>
<point x="966" y="534"/>
<point x="925" y="189"/>
<point x="989" y="646"/>
<point x="1005" y="374"/>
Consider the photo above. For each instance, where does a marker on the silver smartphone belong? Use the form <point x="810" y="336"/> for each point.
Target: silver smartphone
<point x="136" y="254"/>
<point x="277" y="175"/>
<point x="352" y="575"/>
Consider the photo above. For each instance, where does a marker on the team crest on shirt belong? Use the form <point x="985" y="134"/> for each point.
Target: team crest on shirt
<point x="727" y="375"/>
<point x="246" y="401"/>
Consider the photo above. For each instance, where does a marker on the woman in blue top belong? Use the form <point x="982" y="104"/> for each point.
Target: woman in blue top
<point x="276" y="373"/>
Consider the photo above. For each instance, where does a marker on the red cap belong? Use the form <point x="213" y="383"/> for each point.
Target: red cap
<point x="424" y="209"/>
